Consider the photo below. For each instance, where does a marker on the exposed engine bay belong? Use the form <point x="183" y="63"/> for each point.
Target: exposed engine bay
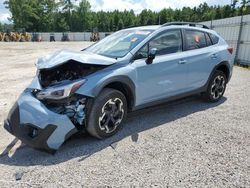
<point x="73" y="106"/>
<point x="71" y="70"/>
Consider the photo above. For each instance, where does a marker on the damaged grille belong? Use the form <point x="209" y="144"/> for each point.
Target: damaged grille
<point x="70" y="70"/>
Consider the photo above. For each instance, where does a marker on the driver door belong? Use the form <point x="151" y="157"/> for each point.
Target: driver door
<point x="166" y="75"/>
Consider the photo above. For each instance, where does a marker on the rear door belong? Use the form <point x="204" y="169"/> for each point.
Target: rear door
<point x="201" y="57"/>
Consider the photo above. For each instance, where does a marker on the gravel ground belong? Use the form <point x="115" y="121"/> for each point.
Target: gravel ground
<point x="186" y="143"/>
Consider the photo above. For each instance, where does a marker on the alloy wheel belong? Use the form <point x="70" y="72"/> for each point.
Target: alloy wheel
<point x="218" y="87"/>
<point x="111" y="115"/>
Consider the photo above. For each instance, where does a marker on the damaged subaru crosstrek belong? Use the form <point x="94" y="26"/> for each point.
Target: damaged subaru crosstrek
<point x="93" y="89"/>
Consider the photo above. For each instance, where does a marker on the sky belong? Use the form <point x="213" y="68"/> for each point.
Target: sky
<point x="136" y="5"/>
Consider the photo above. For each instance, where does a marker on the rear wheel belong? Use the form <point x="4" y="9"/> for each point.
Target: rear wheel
<point x="108" y="112"/>
<point x="216" y="87"/>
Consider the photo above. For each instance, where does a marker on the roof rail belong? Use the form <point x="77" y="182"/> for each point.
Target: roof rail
<point x="192" y="24"/>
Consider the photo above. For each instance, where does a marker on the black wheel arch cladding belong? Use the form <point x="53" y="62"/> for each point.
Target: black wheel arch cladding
<point x="121" y="83"/>
<point x="224" y="67"/>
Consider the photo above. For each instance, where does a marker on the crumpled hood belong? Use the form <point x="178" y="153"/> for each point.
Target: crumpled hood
<point x="63" y="56"/>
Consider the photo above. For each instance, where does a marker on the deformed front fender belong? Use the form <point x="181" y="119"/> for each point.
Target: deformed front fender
<point x="119" y="72"/>
<point x="120" y="79"/>
<point x="92" y="88"/>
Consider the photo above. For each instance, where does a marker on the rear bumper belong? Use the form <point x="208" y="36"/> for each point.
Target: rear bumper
<point x="37" y="126"/>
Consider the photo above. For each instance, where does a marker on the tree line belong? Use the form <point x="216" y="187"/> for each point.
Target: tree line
<point x="64" y="15"/>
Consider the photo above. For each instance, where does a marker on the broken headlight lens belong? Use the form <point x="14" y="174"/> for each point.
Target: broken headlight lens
<point x="59" y="92"/>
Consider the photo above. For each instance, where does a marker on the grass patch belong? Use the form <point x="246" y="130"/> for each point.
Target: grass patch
<point x="243" y="66"/>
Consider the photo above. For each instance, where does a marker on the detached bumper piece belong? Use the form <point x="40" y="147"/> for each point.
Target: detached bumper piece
<point x="35" y="125"/>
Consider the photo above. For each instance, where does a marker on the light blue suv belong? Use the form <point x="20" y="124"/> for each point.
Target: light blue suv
<point x="93" y="89"/>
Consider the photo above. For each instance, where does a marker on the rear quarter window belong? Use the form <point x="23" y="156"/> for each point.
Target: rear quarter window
<point x="214" y="38"/>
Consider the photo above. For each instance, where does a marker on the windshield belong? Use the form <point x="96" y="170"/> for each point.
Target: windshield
<point x="120" y="43"/>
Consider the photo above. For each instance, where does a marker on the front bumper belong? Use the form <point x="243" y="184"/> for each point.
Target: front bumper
<point x="37" y="126"/>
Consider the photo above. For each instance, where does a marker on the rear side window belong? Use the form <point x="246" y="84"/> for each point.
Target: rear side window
<point x="214" y="38"/>
<point x="195" y="40"/>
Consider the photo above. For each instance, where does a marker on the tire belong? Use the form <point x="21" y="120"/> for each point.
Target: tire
<point x="216" y="87"/>
<point x="107" y="114"/>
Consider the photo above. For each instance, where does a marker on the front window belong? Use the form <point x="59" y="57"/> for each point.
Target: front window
<point x="120" y="43"/>
<point x="166" y="43"/>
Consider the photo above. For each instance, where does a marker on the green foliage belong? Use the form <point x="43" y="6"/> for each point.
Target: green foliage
<point x="120" y="24"/>
<point x="60" y="23"/>
<point x="4" y="27"/>
<point x="65" y="15"/>
<point x="83" y="16"/>
<point x="34" y="15"/>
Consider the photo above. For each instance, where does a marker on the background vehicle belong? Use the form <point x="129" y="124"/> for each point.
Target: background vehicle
<point x="94" y="35"/>
<point x="65" y="37"/>
<point x="19" y="36"/>
<point x="128" y="70"/>
<point x="36" y="37"/>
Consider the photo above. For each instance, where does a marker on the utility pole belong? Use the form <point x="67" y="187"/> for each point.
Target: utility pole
<point x="240" y="32"/>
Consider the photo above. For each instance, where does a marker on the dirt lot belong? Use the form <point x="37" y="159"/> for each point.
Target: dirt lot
<point x="187" y="143"/>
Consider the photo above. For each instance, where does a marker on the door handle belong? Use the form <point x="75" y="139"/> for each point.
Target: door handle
<point x="182" y="62"/>
<point x="214" y="56"/>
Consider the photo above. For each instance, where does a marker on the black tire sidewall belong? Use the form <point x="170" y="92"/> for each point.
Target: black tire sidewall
<point x="208" y="95"/>
<point x="92" y="124"/>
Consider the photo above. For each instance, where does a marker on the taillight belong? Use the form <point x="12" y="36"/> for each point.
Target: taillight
<point x="230" y="50"/>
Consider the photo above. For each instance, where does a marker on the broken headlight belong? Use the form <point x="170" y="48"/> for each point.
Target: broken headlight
<point x="59" y="92"/>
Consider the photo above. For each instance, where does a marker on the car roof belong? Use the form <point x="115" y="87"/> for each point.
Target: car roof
<point x="148" y="27"/>
<point x="156" y="27"/>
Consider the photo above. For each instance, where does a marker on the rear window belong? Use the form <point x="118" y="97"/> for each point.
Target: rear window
<point x="214" y="38"/>
<point x="195" y="40"/>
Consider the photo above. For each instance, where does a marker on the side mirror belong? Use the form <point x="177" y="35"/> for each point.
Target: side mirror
<point x="151" y="55"/>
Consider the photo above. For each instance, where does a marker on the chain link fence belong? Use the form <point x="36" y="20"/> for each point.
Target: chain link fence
<point x="236" y="31"/>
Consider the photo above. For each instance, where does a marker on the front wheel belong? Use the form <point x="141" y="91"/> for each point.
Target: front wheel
<point x="108" y="112"/>
<point x="216" y="87"/>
